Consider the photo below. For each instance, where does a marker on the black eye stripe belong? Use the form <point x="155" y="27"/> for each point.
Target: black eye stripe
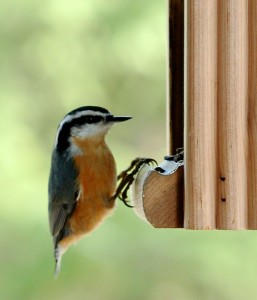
<point x="91" y="119"/>
<point x="65" y="132"/>
<point x="85" y="120"/>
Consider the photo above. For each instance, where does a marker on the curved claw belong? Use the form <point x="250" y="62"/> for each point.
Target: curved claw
<point x="128" y="178"/>
<point x="126" y="202"/>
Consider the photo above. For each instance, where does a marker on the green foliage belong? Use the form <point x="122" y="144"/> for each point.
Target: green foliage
<point x="55" y="56"/>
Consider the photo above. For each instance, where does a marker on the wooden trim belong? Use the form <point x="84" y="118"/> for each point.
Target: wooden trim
<point x="232" y="114"/>
<point x="252" y="114"/>
<point x="200" y="115"/>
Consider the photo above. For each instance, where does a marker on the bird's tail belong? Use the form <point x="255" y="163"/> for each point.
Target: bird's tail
<point x="58" y="252"/>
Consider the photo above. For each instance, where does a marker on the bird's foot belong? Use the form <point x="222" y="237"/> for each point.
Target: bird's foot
<point x="127" y="177"/>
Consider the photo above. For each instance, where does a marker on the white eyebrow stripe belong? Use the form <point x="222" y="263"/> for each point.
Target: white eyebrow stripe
<point x="68" y="118"/>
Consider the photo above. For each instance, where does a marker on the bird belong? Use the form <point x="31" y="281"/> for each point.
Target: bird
<point x="82" y="178"/>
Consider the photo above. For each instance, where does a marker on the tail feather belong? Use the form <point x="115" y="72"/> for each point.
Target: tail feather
<point x="60" y="248"/>
<point x="58" y="257"/>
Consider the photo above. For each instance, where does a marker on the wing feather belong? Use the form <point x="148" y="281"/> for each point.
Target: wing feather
<point x="63" y="191"/>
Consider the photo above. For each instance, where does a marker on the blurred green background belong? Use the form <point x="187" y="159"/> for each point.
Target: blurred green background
<point x="58" y="55"/>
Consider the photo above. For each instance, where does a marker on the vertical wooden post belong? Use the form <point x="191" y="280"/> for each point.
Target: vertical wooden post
<point x="200" y="127"/>
<point x="232" y="114"/>
<point x="175" y="77"/>
<point x="220" y="120"/>
<point x="252" y="116"/>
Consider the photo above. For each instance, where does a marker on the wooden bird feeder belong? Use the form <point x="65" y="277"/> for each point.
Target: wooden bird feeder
<point x="212" y="105"/>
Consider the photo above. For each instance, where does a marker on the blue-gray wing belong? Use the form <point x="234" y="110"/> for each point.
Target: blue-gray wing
<point x="62" y="194"/>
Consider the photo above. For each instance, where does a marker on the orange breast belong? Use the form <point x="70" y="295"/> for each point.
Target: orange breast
<point x="97" y="180"/>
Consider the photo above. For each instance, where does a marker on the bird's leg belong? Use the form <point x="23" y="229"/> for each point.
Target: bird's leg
<point x="122" y="177"/>
<point x="126" y="178"/>
<point x="132" y="165"/>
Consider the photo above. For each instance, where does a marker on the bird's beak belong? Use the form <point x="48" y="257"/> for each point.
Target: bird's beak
<point x="114" y="119"/>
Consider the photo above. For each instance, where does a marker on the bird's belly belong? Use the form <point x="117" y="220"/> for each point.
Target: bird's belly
<point x="97" y="185"/>
<point x="88" y="214"/>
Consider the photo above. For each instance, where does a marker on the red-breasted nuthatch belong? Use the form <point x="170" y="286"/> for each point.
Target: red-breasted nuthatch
<point x="82" y="178"/>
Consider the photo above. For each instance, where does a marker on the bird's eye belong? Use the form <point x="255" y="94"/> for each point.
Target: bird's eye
<point x="93" y="119"/>
<point x="89" y="119"/>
